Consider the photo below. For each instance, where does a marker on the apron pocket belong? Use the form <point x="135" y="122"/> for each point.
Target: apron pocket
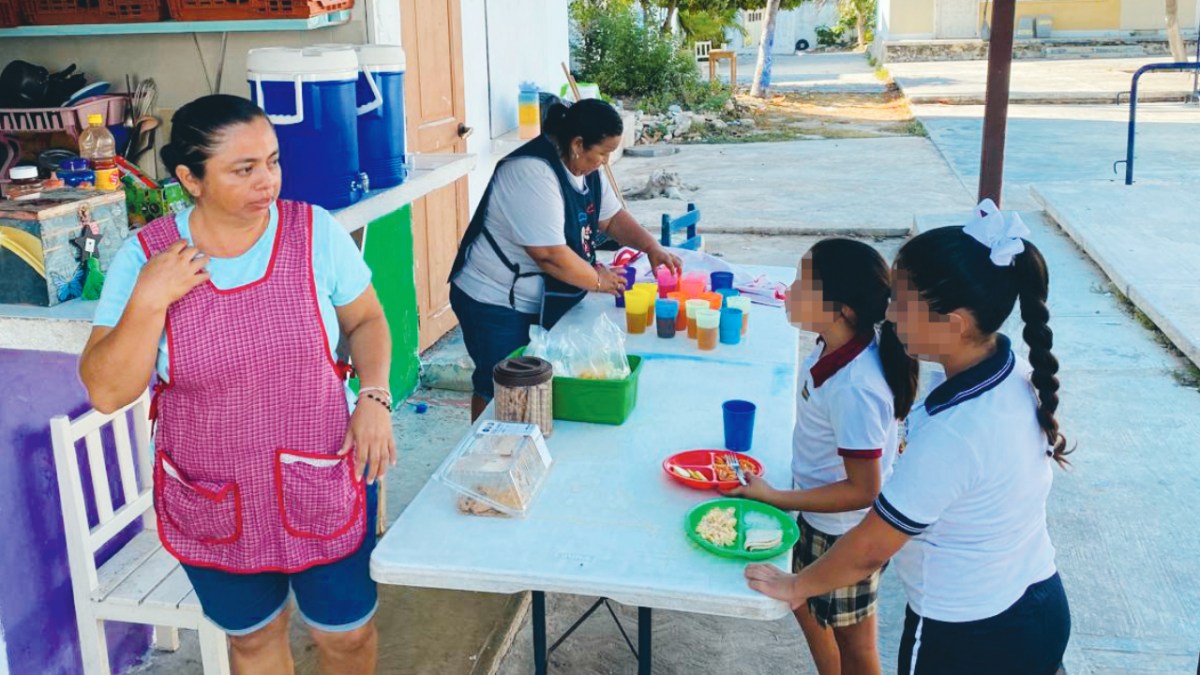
<point x="318" y="496"/>
<point x="206" y="511"/>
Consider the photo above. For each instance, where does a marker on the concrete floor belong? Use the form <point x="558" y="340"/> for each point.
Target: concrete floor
<point x="865" y="186"/>
<point x="1063" y="81"/>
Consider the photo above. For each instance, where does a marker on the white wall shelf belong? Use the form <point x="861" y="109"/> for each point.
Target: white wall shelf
<point x="167" y="27"/>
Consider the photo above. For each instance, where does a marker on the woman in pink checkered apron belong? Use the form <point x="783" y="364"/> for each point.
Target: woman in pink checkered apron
<point x="264" y="472"/>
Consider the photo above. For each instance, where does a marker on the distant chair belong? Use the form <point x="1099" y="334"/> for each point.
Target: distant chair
<point x="142" y="582"/>
<point x="687" y="223"/>
<point x="702" y="49"/>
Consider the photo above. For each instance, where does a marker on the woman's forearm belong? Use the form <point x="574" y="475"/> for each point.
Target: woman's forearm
<point x="117" y="363"/>
<point x="565" y="265"/>
<point x="371" y="351"/>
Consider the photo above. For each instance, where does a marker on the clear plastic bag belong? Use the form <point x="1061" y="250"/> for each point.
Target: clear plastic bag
<point x="598" y="354"/>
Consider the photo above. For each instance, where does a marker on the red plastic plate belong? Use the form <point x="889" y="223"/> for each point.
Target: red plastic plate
<point x="702" y="461"/>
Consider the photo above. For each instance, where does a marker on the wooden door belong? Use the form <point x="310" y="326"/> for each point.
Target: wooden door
<point x="432" y="38"/>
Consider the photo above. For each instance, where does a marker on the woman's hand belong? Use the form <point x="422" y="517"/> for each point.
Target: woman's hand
<point x="370" y="435"/>
<point x="773" y="583"/>
<point x="756" y="488"/>
<point x="661" y="257"/>
<point x="609" y="281"/>
<point x="170" y="275"/>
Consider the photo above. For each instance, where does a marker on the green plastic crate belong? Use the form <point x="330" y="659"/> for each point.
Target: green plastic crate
<point x="595" y="401"/>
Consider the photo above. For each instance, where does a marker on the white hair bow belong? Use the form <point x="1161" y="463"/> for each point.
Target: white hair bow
<point x="1000" y="232"/>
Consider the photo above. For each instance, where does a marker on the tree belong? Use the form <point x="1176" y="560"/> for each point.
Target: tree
<point x="1178" y="51"/>
<point x="762" y="69"/>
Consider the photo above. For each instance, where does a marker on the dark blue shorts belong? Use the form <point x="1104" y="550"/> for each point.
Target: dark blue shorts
<point x="491" y="333"/>
<point x="337" y="597"/>
<point x="1028" y="638"/>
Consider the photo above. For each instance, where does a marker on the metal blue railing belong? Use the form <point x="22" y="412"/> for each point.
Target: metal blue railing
<point x="1133" y="100"/>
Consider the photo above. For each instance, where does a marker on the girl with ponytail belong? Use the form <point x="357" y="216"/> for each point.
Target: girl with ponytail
<point x="964" y="512"/>
<point x="852" y="390"/>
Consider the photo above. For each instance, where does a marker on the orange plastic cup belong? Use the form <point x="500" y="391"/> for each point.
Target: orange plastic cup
<point x="681" y="318"/>
<point x="715" y="300"/>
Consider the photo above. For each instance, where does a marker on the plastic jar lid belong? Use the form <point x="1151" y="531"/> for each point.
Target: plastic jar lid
<point x="314" y="64"/>
<point x="95" y="119"/>
<point x="23" y="173"/>
<point x="523" y="371"/>
<point x="74" y="164"/>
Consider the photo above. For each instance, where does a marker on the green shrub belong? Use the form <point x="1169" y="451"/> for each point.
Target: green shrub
<point x="831" y="36"/>
<point x="613" y="49"/>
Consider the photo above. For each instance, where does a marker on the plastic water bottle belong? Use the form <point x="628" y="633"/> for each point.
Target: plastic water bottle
<point x="529" y="113"/>
<point x="99" y="148"/>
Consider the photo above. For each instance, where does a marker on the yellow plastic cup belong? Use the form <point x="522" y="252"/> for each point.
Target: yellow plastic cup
<point x="636" y="312"/>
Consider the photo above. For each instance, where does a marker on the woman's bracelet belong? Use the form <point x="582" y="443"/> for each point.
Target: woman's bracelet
<point x="377" y="399"/>
<point x="598" y="277"/>
<point x="382" y="390"/>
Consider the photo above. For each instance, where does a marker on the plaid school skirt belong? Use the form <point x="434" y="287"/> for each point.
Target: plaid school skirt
<point x="844" y="606"/>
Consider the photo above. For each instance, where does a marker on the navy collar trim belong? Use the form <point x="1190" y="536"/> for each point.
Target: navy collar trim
<point x="974" y="381"/>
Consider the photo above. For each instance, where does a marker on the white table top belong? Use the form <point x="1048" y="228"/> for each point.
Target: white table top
<point x="608" y="522"/>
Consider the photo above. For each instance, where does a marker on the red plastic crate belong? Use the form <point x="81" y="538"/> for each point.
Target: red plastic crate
<point x="10" y="17"/>
<point x="58" y="12"/>
<point x="238" y="10"/>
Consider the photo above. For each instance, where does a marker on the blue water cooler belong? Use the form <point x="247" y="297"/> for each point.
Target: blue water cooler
<point x="309" y="95"/>
<point x="381" y="144"/>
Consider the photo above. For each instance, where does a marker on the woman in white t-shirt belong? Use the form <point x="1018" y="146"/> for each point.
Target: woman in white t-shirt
<point x="852" y="389"/>
<point x="964" y="512"/>
<point x="528" y="255"/>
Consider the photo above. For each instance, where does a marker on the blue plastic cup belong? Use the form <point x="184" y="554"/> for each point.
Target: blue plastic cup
<point x="721" y="280"/>
<point x="731" y="326"/>
<point x="666" y="311"/>
<point x="739" y="425"/>
<point x="630" y="275"/>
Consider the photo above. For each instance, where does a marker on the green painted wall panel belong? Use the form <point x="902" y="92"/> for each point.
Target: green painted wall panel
<point x="388" y="250"/>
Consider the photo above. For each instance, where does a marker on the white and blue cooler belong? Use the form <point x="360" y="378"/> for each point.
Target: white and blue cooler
<point x="381" y="142"/>
<point x="309" y="95"/>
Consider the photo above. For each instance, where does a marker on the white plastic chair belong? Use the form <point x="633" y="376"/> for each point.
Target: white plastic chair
<point x="702" y="49"/>
<point x="141" y="583"/>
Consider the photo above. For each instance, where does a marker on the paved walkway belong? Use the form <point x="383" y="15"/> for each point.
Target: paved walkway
<point x="832" y="72"/>
<point x="863" y="186"/>
<point x="1038" y="81"/>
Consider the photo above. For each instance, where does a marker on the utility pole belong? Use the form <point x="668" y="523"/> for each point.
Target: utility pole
<point x="995" y="107"/>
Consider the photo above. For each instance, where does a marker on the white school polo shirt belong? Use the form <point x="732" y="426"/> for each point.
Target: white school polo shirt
<point x="971" y="490"/>
<point x="844" y="409"/>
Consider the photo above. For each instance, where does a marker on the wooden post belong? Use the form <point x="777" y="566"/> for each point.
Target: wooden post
<point x="995" y="109"/>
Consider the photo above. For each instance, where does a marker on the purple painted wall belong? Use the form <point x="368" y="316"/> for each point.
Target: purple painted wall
<point x="36" y="609"/>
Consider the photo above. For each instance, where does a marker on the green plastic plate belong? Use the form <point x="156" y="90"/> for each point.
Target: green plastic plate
<point x="791" y="532"/>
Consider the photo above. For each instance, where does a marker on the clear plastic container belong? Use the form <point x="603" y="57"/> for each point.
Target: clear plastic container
<point x="529" y="113"/>
<point x="99" y="148"/>
<point x="498" y="469"/>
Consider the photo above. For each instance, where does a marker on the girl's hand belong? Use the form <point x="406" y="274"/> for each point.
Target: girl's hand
<point x="661" y="257"/>
<point x="756" y="488"/>
<point x="170" y="275"/>
<point x="773" y="583"/>
<point x="370" y="435"/>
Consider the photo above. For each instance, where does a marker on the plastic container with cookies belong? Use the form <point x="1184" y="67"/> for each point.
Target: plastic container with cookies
<point x="498" y="469"/>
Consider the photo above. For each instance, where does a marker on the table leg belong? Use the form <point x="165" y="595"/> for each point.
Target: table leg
<point x="733" y="73"/>
<point x="645" y="635"/>
<point x="540" y="658"/>
<point x="712" y="69"/>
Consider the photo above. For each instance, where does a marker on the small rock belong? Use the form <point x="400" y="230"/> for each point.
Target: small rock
<point x="746" y="122"/>
<point x="674" y="110"/>
<point x="730" y="106"/>
<point x="683" y="125"/>
<point x="719" y="124"/>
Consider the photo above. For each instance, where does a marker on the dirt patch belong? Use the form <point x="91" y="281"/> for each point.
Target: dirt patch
<point x="797" y="116"/>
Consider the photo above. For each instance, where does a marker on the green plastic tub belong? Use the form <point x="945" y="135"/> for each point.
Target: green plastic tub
<point x="595" y="401"/>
